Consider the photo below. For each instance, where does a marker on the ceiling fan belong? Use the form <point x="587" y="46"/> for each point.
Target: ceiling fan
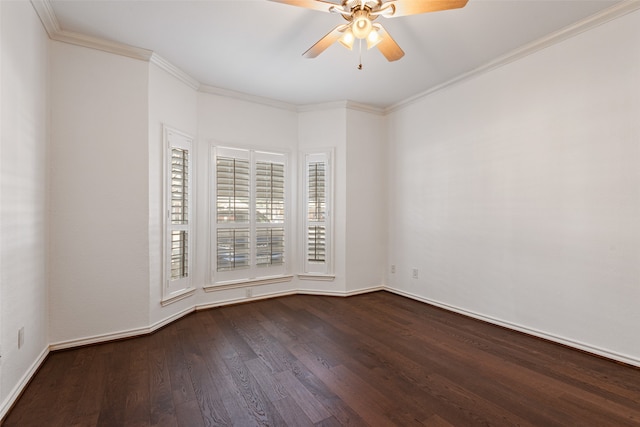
<point x="360" y="16"/>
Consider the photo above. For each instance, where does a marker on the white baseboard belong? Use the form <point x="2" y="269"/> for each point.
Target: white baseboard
<point x="131" y="333"/>
<point x="341" y="293"/>
<point x="170" y="319"/>
<point x="232" y="301"/>
<point x="17" y="390"/>
<point x="98" y="339"/>
<point x="529" y="331"/>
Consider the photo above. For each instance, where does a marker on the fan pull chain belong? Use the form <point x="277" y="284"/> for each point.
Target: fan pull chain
<point x="360" y="54"/>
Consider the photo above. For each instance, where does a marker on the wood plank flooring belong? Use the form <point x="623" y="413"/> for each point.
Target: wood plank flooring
<point x="370" y="360"/>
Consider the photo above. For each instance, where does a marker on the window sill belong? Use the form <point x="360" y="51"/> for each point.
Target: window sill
<point x="233" y="284"/>
<point x="177" y="296"/>
<point x="324" y="277"/>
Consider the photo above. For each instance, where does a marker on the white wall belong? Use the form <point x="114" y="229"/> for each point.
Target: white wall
<point x="23" y="214"/>
<point x="171" y="103"/>
<point x="359" y="205"/>
<point x="322" y="128"/>
<point x="366" y="197"/>
<point x="238" y="123"/>
<point x="99" y="193"/>
<point x="517" y="193"/>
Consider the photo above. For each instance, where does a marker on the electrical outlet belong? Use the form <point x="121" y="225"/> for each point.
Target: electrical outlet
<point x="414" y="273"/>
<point x="393" y="268"/>
<point x="20" y="337"/>
<point x="248" y="292"/>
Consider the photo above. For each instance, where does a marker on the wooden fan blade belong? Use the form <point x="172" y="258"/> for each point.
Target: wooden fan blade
<point x="321" y="5"/>
<point x="414" y="7"/>
<point x="388" y="46"/>
<point x="325" y="42"/>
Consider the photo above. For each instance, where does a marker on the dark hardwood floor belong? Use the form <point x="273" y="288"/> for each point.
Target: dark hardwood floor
<point x="376" y="359"/>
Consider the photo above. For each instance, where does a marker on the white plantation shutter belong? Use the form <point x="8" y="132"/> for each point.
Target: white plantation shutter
<point x="233" y="214"/>
<point x="179" y="254"/>
<point x="250" y="214"/>
<point x="178" y="207"/>
<point x="316" y="243"/>
<point x="232" y="207"/>
<point x="232" y="190"/>
<point x="270" y="213"/>
<point x="316" y="211"/>
<point x="233" y="248"/>
<point x="179" y="185"/>
<point x="317" y="221"/>
<point x="270" y="192"/>
<point x="270" y="246"/>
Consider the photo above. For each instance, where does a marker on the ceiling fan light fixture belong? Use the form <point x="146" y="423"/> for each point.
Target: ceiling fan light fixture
<point x="347" y="39"/>
<point x="362" y="25"/>
<point x="373" y="39"/>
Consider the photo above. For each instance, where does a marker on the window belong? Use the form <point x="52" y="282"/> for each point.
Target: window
<point x="250" y="220"/>
<point x="317" y="214"/>
<point x="178" y="208"/>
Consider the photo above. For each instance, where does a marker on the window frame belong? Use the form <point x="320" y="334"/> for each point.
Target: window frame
<point x="253" y="272"/>
<point x="174" y="289"/>
<point x="313" y="269"/>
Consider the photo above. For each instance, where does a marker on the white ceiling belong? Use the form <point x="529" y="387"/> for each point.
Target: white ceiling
<point x="255" y="46"/>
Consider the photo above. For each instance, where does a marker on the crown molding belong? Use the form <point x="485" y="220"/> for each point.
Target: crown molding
<point x="334" y="105"/>
<point x="52" y="27"/>
<point x="103" y="45"/>
<point x="176" y="72"/>
<point x="613" y="12"/>
<point x="365" y="108"/>
<point x="47" y="16"/>
<point x="347" y="105"/>
<point x="246" y="97"/>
